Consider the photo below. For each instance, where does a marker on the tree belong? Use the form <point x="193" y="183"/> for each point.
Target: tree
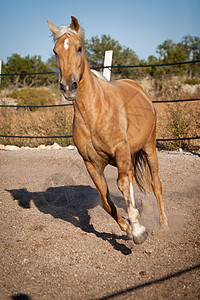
<point x="192" y="46"/>
<point x="18" y="64"/>
<point x="188" y="49"/>
<point x="95" y="51"/>
<point x="171" y="52"/>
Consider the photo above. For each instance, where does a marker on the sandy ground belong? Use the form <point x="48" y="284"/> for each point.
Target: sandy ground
<point x="57" y="242"/>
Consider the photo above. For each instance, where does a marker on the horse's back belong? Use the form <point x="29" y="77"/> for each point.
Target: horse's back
<point x="133" y="87"/>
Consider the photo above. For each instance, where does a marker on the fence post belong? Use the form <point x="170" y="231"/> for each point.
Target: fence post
<point x="107" y="62"/>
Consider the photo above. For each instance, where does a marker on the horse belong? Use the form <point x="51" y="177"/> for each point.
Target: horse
<point x="114" y="123"/>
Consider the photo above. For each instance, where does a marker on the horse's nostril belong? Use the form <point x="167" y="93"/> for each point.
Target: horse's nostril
<point x="62" y="87"/>
<point x="74" y="86"/>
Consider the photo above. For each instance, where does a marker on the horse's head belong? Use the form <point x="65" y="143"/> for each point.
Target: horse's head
<point x="69" y="55"/>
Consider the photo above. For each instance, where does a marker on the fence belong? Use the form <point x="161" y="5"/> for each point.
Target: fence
<point x="102" y="67"/>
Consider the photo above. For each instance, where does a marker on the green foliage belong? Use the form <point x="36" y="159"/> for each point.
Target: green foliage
<point x="33" y="96"/>
<point x="168" y="52"/>
<point x="192" y="46"/>
<point x="188" y="49"/>
<point x="52" y="64"/>
<point x="122" y="56"/>
<point x="18" y="64"/>
<point x="95" y="49"/>
<point x="192" y="81"/>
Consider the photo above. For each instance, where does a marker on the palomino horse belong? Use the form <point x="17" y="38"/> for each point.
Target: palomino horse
<point x="114" y="123"/>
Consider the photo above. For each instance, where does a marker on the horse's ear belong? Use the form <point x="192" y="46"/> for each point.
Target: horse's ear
<point x="74" y="24"/>
<point x="52" y="27"/>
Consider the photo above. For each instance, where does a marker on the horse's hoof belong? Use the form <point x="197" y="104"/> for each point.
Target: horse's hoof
<point x="139" y="239"/>
<point x="164" y="223"/>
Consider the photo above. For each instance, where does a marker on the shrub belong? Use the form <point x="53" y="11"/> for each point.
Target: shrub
<point x="179" y="123"/>
<point x="192" y="81"/>
<point x="33" y="96"/>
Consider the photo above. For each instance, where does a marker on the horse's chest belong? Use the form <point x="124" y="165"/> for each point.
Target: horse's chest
<point x="88" y="144"/>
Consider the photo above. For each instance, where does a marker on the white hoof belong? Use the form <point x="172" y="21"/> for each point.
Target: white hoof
<point x="139" y="234"/>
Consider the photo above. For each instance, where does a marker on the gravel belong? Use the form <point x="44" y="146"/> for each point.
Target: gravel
<point x="57" y="242"/>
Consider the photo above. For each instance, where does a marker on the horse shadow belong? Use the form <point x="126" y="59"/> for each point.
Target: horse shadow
<point x="71" y="204"/>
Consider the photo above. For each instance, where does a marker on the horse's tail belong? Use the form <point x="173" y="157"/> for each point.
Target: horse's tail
<point x="142" y="170"/>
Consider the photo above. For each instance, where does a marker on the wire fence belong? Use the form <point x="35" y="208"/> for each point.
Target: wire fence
<point x="102" y="67"/>
<point x="150" y="65"/>
<point x="113" y="67"/>
<point x="70" y="104"/>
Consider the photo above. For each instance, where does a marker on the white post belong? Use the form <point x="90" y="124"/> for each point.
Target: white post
<point x="107" y="63"/>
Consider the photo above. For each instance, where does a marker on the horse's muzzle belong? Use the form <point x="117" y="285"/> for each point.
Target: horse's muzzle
<point x="70" y="90"/>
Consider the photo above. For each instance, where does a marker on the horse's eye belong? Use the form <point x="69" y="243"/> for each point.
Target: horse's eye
<point x="79" y="50"/>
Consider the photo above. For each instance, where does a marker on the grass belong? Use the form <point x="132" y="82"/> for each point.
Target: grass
<point x="54" y="121"/>
<point x="178" y="120"/>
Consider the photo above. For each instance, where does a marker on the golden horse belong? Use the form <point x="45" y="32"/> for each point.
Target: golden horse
<point x="114" y="123"/>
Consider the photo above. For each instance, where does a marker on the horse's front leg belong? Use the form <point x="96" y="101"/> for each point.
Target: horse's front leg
<point x="125" y="185"/>
<point x="99" y="180"/>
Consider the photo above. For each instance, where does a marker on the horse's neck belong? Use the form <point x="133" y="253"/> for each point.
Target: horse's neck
<point x="87" y="94"/>
<point x="87" y="85"/>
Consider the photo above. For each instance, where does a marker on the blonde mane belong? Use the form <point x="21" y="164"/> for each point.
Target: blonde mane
<point x="66" y="29"/>
<point x="99" y="75"/>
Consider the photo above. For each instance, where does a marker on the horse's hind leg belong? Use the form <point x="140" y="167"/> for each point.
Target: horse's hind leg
<point x="99" y="180"/>
<point x="152" y="158"/>
<point x="125" y="185"/>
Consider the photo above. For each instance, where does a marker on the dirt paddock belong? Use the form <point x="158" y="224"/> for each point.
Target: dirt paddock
<point x="57" y="242"/>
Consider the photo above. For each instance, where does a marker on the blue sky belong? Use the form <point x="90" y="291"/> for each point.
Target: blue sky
<point x="141" y="25"/>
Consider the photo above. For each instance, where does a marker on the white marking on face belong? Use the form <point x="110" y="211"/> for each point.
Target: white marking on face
<point x="131" y="194"/>
<point x="66" y="44"/>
